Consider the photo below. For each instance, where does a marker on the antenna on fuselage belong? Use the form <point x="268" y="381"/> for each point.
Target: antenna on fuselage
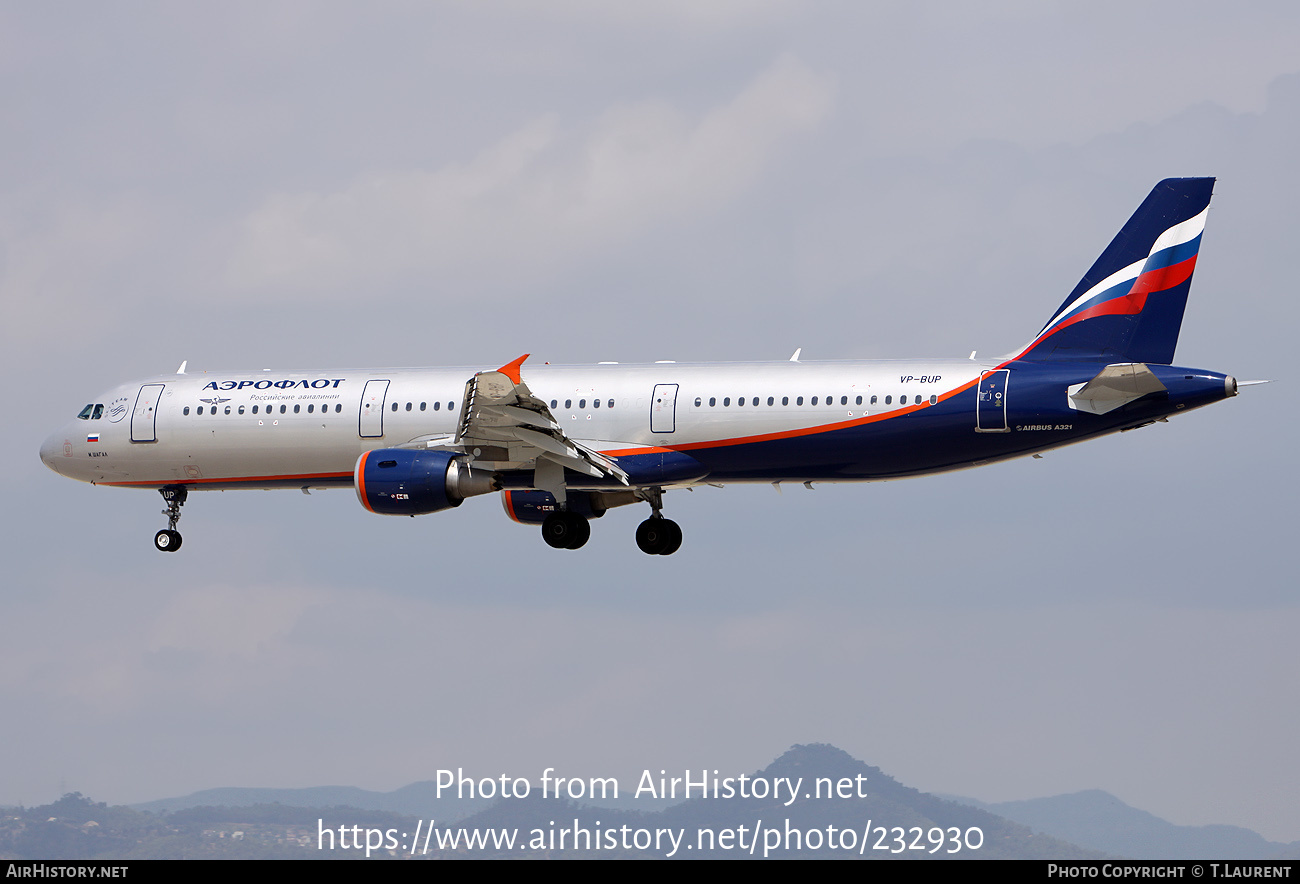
<point x="184" y="363"/>
<point x="797" y="351"/>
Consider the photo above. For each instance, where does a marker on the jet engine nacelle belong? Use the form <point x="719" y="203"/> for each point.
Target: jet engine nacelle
<point x="411" y="482"/>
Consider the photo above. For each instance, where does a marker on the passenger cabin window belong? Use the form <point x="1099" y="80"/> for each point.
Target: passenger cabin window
<point x="186" y="410"/>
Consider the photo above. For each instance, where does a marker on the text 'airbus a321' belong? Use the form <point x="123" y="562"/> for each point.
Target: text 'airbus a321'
<point x="563" y="444"/>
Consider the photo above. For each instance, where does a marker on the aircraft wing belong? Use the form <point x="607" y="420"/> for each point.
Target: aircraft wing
<point x="503" y="426"/>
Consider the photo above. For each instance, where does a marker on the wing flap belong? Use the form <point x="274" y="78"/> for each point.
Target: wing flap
<point x="499" y="408"/>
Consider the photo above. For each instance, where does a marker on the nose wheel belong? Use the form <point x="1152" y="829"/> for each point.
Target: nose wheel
<point x="169" y="539"/>
<point x="565" y="530"/>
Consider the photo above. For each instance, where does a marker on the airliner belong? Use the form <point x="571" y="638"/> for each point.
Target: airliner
<point x="564" y="444"/>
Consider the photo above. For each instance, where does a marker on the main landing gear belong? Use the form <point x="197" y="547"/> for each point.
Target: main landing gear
<point x="571" y="528"/>
<point x="657" y="536"/>
<point x="565" y="530"/>
<point x="169" y="539"/>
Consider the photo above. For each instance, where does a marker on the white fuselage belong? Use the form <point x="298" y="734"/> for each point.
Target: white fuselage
<point x="306" y="428"/>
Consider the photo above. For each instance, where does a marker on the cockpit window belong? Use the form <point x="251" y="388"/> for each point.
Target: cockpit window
<point x="99" y="412"/>
<point x="86" y="413"/>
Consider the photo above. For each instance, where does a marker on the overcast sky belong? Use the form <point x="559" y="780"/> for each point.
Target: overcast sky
<point x="316" y="185"/>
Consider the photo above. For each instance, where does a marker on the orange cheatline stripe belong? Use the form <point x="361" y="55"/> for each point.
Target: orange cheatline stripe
<point x="210" y="480"/>
<point x="806" y="431"/>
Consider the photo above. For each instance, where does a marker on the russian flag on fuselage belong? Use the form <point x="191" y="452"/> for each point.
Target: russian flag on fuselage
<point x="1129" y="306"/>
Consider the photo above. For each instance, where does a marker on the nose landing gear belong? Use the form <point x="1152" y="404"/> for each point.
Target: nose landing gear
<point x="169" y="539"/>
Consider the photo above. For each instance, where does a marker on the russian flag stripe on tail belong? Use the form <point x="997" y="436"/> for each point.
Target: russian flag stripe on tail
<point x="1129" y="306"/>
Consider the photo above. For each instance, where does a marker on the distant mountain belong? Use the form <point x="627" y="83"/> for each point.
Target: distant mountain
<point x="418" y="800"/>
<point x="1099" y="820"/>
<point x="1084" y="825"/>
<point x="888" y="805"/>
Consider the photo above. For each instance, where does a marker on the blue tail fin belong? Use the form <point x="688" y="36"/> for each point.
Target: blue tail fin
<point x="1129" y="306"/>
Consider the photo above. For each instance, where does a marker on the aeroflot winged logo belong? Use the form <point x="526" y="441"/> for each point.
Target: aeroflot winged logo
<point x="318" y="384"/>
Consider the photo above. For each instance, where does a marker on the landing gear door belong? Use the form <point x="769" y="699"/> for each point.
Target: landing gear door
<point x="663" y="409"/>
<point x="145" y="416"/>
<point x="991" y="403"/>
<point x="372" y="409"/>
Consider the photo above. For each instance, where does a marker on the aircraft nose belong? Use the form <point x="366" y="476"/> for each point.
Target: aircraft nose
<point x="51" y="451"/>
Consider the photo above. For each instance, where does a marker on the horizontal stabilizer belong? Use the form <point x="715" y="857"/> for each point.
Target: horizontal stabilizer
<point x="1114" y="386"/>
